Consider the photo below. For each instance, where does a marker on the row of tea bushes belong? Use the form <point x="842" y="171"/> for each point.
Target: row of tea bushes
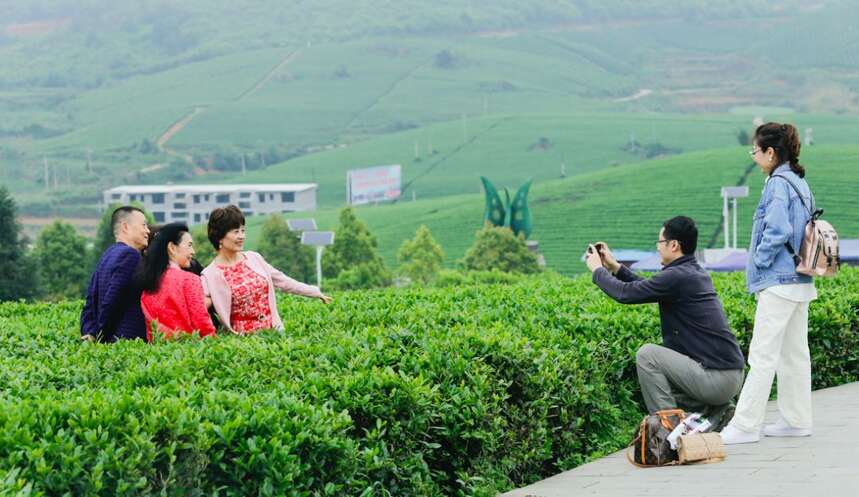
<point x="462" y="390"/>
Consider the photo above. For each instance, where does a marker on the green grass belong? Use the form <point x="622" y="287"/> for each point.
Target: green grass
<point x="501" y="148"/>
<point x="624" y="206"/>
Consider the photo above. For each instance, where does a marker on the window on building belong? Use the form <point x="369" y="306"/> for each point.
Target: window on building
<point x="180" y="215"/>
<point x="196" y="199"/>
<point x="271" y="196"/>
<point x="116" y="196"/>
<point x="197" y="218"/>
<point x="245" y="195"/>
<point x="207" y="197"/>
<point x="158" y="216"/>
<point x="180" y="205"/>
<point x="132" y="198"/>
<point x="287" y="197"/>
<point x="180" y="195"/>
<point x="244" y="205"/>
<point x="157" y="198"/>
<point x="222" y="198"/>
<point x="261" y="197"/>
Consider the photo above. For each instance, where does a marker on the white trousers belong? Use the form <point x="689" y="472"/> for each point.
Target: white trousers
<point x="779" y="347"/>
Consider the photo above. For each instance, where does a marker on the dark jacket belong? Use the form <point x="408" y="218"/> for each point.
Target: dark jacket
<point x="693" y="320"/>
<point x="112" y="310"/>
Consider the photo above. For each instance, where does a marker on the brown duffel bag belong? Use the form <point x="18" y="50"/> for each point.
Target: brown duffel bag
<point x="650" y="447"/>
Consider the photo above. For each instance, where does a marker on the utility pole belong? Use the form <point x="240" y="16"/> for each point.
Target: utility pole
<point x="47" y="174"/>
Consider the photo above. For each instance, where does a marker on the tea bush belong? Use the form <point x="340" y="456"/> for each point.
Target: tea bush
<point x="466" y="389"/>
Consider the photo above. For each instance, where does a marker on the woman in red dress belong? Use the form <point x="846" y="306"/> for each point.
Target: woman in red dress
<point x="173" y="300"/>
<point x="241" y="283"/>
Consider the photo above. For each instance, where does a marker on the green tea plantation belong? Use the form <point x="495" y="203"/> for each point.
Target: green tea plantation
<point x="465" y="390"/>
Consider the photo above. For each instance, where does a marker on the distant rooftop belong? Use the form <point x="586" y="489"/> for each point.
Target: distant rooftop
<point x="268" y="187"/>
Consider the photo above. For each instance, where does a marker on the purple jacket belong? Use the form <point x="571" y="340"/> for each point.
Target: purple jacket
<point x="112" y="310"/>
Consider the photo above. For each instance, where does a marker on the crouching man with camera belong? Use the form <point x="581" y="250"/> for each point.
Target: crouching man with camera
<point x="699" y="366"/>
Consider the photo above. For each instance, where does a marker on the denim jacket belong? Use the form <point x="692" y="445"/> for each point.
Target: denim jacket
<point x="780" y="217"/>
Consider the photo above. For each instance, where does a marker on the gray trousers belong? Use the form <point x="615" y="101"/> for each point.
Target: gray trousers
<point x="671" y="380"/>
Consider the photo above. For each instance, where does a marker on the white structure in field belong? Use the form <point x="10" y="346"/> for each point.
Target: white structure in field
<point x="731" y="193"/>
<point x="376" y="184"/>
<point x="193" y="203"/>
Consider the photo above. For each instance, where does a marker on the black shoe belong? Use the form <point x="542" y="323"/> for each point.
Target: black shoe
<point x="720" y="416"/>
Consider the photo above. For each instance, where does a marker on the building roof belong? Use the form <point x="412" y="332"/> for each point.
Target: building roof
<point x="735" y="261"/>
<point x="226" y="188"/>
<point x="848" y="250"/>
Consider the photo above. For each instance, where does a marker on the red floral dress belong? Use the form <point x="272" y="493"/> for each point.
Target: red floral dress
<point x="250" y="310"/>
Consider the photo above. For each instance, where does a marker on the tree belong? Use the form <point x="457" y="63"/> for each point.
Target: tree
<point x="104" y="236"/>
<point x="282" y="248"/>
<point x="62" y="256"/>
<point x="19" y="275"/>
<point x="204" y="251"/>
<point x="354" y="255"/>
<point x="498" y="248"/>
<point x="420" y="259"/>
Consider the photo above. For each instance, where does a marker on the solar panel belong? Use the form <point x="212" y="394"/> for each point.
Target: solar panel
<point x="317" y="238"/>
<point x="735" y="191"/>
<point x="301" y="224"/>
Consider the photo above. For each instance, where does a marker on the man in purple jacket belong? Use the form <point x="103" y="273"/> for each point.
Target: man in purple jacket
<point x="112" y="310"/>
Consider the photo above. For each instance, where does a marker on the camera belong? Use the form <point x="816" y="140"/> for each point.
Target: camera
<point x="599" y="246"/>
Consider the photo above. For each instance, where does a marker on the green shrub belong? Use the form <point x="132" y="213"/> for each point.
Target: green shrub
<point x="497" y="248"/>
<point x="462" y="390"/>
<point x="421" y="257"/>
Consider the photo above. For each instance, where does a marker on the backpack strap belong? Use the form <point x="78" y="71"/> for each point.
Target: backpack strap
<point x="811" y="211"/>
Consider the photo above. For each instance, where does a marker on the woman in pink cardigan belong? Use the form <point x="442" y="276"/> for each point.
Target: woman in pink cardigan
<point x="241" y="284"/>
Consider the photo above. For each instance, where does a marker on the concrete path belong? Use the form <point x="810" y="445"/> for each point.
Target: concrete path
<point x="823" y="465"/>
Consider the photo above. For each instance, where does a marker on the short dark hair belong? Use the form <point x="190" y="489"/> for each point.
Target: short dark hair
<point x="223" y="220"/>
<point x="682" y="229"/>
<point x="121" y="214"/>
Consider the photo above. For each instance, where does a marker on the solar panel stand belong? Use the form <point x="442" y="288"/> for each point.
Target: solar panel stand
<point x="319" y="240"/>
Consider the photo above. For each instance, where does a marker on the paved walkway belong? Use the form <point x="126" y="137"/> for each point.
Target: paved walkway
<point x="823" y="465"/>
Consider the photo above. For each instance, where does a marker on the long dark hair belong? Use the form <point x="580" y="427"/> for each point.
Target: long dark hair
<point x="784" y="139"/>
<point x="156" y="259"/>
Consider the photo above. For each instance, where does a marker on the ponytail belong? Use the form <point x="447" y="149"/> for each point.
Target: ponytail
<point x="784" y="139"/>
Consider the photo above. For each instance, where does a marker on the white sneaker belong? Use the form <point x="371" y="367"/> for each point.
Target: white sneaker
<point x="782" y="429"/>
<point x="731" y="435"/>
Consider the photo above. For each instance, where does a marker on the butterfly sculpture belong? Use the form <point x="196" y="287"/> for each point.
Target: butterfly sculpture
<point x="514" y="215"/>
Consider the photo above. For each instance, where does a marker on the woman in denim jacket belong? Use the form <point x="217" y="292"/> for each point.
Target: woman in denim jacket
<point x="780" y="337"/>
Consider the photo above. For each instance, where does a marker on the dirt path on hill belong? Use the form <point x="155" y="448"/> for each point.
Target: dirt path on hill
<point x="179" y="125"/>
<point x="176" y="128"/>
<point x="269" y="75"/>
<point x="385" y="93"/>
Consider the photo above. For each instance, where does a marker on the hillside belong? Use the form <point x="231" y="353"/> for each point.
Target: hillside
<point x="624" y="206"/>
<point x="155" y="92"/>
<point x="509" y="149"/>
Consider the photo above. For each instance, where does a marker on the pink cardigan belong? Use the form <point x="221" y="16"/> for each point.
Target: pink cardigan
<point x="216" y="287"/>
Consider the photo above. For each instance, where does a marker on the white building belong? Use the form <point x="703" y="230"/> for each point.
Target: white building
<point x="193" y="203"/>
